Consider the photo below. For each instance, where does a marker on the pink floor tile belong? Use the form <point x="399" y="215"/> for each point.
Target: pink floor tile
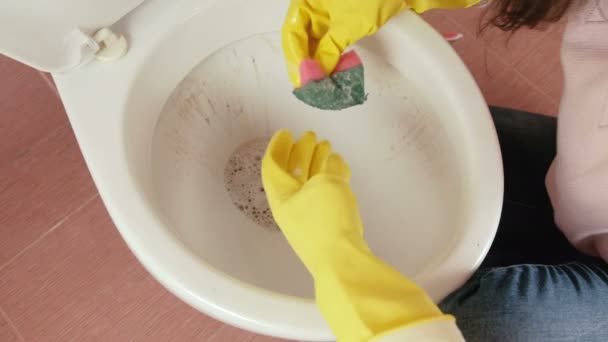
<point x="499" y="81"/>
<point x="518" y="93"/>
<point x="543" y="66"/>
<point x="13" y="75"/>
<point x="469" y="19"/>
<point x="259" y="338"/>
<point x="26" y="127"/>
<point x="6" y="332"/>
<point x="30" y="110"/>
<point x="35" y="96"/>
<point x="228" y="333"/>
<point x="512" y="47"/>
<point x="81" y="283"/>
<point x="483" y="65"/>
<point x="40" y="189"/>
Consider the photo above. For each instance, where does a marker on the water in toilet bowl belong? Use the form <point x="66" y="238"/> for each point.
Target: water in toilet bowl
<point x="405" y="174"/>
<point x="243" y="181"/>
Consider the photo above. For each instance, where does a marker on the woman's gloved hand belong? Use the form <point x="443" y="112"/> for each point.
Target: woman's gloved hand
<point x="316" y="32"/>
<point x="308" y="190"/>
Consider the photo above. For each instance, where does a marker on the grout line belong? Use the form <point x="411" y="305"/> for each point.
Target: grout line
<point x="49" y="231"/>
<point x="11" y="325"/>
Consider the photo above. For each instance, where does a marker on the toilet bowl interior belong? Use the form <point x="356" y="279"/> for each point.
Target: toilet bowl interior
<point x="409" y="176"/>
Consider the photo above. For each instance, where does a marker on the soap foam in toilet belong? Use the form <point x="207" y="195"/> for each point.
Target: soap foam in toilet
<point x="243" y="181"/>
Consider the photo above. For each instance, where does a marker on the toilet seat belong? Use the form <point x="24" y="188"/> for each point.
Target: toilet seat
<point x="114" y="107"/>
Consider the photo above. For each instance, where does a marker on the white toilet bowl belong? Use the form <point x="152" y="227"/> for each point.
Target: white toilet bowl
<point x="203" y="79"/>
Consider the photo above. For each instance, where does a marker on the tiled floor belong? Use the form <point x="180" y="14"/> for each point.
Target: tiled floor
<point x="65" y="273"/>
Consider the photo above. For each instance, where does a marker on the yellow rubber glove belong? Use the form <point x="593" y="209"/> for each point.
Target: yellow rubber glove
<point x="360" y="296"/>
<point x="323" y="29"/>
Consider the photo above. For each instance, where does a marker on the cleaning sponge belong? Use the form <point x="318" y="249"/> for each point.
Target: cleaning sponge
<point x="344" y="88"/>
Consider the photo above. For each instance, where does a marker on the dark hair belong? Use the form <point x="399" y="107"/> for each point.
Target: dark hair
<point x="511" y="15"/>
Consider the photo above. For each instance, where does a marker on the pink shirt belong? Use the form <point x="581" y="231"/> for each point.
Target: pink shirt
<point x="578" y="179"/>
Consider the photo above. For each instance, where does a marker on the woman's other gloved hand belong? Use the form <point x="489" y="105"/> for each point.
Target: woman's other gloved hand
<point x="361" y="297"/>
<point x="316" y="32"/>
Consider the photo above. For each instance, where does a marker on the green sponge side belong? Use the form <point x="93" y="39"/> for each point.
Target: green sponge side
<point x="339" y="91"/>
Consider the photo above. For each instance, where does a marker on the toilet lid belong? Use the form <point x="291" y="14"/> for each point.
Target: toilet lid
<point x="54" y="35"/>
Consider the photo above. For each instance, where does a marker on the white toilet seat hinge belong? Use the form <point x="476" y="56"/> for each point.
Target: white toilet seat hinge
<point x="112" y="46"/>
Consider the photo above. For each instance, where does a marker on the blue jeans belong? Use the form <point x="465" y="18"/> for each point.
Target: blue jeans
<point x="533" y="286"/>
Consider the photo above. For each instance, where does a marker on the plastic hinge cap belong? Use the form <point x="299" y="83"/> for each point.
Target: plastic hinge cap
<point x="112" y="46"/>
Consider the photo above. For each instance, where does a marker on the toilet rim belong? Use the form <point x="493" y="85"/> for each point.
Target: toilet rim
<point x="209" y="290"/>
